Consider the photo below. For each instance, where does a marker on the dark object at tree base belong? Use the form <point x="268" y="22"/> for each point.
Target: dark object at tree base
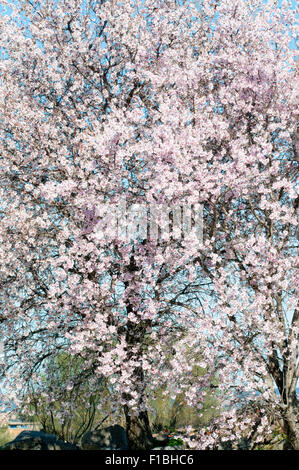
<point x="38" y="440"/>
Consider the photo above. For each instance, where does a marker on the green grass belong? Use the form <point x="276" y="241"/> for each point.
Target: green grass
<point x="175" y="442"/>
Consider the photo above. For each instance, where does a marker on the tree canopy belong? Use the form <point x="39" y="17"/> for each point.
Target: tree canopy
<point x="165" y="104"/>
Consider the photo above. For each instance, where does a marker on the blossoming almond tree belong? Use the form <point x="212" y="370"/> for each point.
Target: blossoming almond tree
<point x="156" y="103"/>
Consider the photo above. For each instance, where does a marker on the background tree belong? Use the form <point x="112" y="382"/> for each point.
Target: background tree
<point x="171" y="412"/>
<point x="162" y="102"/>
<point x="66" y="390"/>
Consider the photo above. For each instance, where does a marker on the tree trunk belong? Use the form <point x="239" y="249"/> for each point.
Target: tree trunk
<point x="292" y="428"/>
<point x="137" y="426"/>
<point x="138" y="430"/>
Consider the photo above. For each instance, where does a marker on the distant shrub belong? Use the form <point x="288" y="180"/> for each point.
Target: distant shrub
<point x="4" y="436"/>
